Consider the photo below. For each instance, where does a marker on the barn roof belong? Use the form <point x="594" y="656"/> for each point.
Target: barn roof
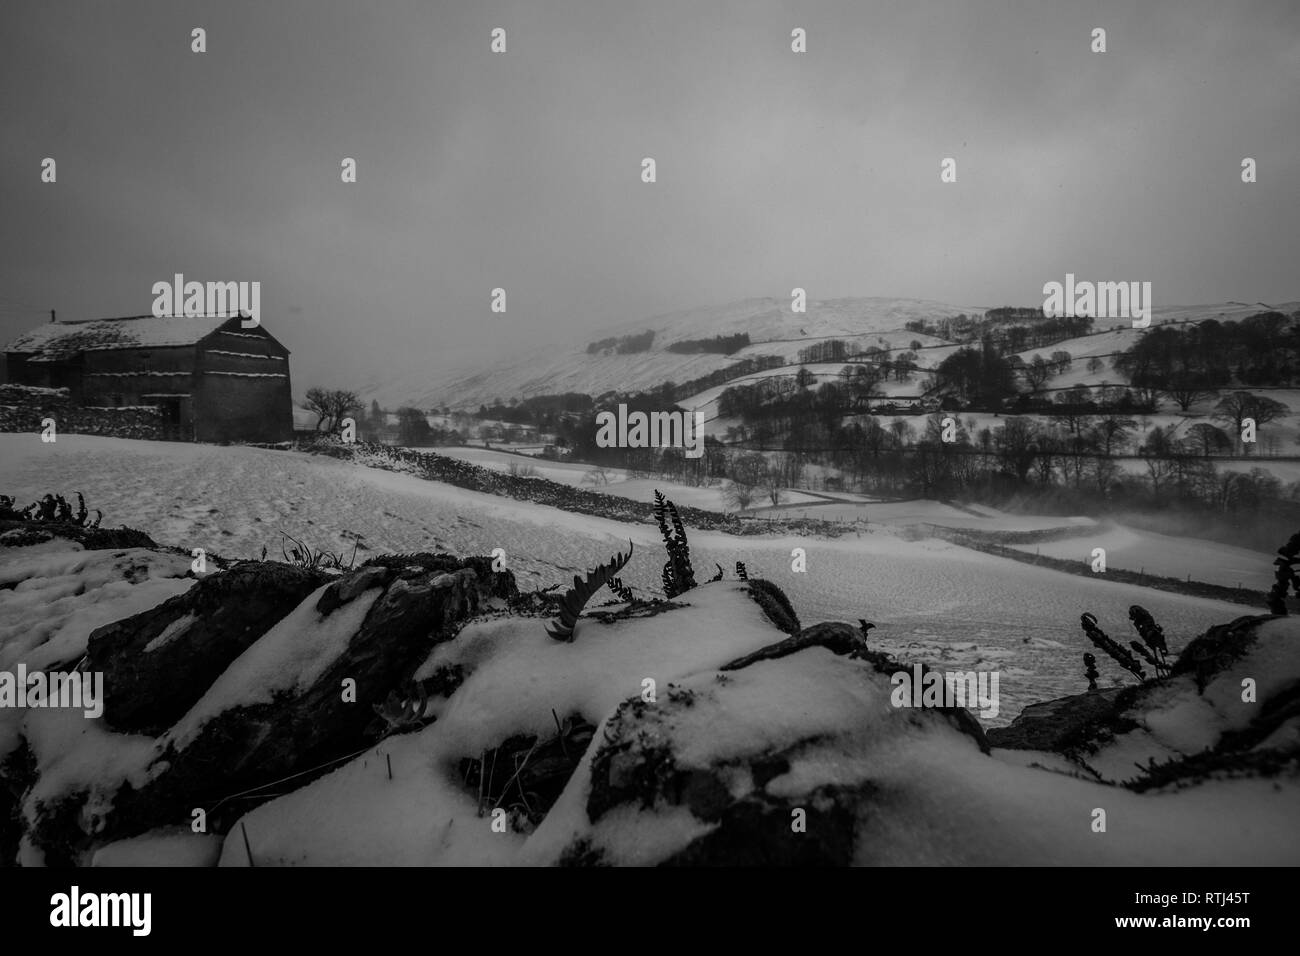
<point x="56" y="340"/>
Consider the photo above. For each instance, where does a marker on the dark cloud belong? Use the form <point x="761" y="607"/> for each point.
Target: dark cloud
<point x="522" y="170"/>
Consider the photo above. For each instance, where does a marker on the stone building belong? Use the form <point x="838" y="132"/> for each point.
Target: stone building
<point x="211" y="379"/>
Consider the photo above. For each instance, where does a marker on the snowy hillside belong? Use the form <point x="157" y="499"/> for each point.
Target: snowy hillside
<point x="772" y="328"/>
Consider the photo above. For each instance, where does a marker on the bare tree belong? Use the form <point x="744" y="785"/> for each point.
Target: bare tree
<point x="1112" y="431"/>
<point x="1239" y="406"/>
<point x="748" y="473"/>
<point x="331" y="405"/>
<point x="1187" y="390"/>
<point x="1208" y="438"/>
<point x="1037" y="371"/>
<point x="773" y="486"/>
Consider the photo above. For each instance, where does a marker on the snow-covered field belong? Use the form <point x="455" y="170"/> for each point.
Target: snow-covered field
<point x="1134" y="550"/>
<point x="931" y="600"/>
<point x="620" y="480"/>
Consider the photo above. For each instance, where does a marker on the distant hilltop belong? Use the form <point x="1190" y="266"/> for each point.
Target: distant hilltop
<point x="684" y="346"/>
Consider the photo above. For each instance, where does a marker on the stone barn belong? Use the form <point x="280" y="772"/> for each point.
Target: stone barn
<point x="212" y="380"/>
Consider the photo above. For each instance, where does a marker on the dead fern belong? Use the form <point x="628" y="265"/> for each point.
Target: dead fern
<point x="1112" y="647"/>
<point x="678" y="575"/>
<point x="622" y="590"/>
<point x="576" y="598"/>
<point x="1286" y="575"/>
<point x="1156" y="651"/>
<point x="52" y="509"/>
<point x="1090" y="670"/>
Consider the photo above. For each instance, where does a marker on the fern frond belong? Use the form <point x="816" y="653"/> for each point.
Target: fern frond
<point x="576" y="598"/>
<point x="1152" y="634"/>
<point x="1116" y="650"/>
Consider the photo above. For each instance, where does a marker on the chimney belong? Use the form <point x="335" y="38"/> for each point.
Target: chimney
<point x="52" y="318"/>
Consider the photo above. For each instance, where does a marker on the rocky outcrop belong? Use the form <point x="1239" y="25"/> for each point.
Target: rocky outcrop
<point x="1055" y="725"/>
<point x="753" y="796"/>
<point x="223" y="744"/>
<point x="1229" y="707"/>
<point x="252" y="697"/>
<point x="158" y="663"/>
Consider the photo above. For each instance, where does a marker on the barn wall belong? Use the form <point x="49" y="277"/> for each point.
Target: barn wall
<point x="21" y="371"/>
<point x="134" y="377"/>
<point x="244" y="392"/>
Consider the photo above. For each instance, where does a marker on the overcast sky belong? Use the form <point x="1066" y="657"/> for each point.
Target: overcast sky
<point x="522" y="170"/>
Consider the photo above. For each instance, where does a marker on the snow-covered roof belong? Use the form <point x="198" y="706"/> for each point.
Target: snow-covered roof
<point x="58" y="339"/>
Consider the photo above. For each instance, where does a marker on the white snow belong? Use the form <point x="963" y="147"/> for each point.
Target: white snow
<point x="173" y="846"/>
<point x="1133" y="550"/>
<point x="53" y="595"/>
<point x="125" y="333"/>
<point x="172" y="631"/>
<point x="940" y="603"/>
<point x="518" y="675"/>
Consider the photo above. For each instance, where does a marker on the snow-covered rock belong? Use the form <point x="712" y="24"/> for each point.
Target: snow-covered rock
<point x="298" y="696"/>
<point x="1230" y="707"/>
<point x="156" y="664"/>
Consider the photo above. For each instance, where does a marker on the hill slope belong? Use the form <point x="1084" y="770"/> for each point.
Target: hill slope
<point x="772" y="328"/>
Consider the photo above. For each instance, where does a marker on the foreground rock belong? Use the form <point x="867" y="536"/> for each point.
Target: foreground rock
<point x="298" y="696"/>
<point x="710" y="730"/>
<point x="158" y="663"/>
<point x="1230" y="708"/>
<point x="757" y="748"/>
